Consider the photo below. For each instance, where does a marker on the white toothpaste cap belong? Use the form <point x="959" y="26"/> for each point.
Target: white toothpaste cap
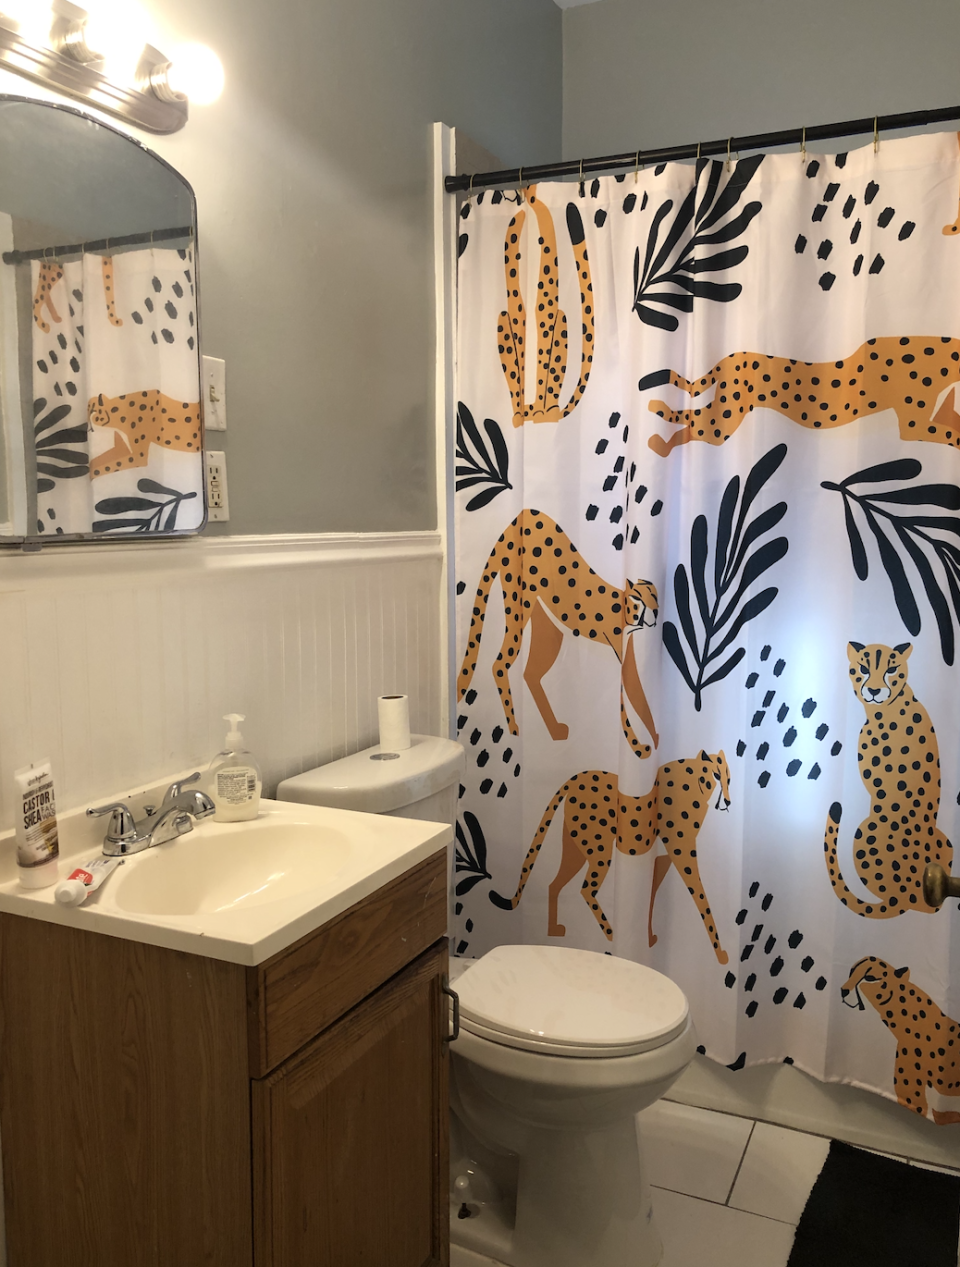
<point x="71" y="892"/>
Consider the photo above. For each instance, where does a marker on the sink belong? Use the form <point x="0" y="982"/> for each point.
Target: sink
<point x="240" y="892"/>
<point x="244" y="865"/>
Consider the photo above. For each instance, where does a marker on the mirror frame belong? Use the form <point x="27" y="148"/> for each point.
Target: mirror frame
<point x="33" y="544"/>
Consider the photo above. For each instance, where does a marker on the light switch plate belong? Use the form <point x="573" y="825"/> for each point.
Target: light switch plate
<point x="214" y="394"/>
<point x="218" y="504"/>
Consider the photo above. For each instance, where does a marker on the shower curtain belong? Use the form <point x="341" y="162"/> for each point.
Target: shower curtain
<point x="708" y="578"/>
<point x="116" y="393"/>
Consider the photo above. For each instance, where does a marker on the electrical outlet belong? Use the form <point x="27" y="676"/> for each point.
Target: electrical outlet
<point x="218" y="504"/>
<point x="214" y="394"/>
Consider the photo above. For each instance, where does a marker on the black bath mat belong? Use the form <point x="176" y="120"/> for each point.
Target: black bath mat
<point x="869" y="1211"/>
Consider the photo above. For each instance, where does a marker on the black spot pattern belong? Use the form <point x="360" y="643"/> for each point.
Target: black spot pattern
<point x="836" y="201"/>
<point x="792" y="730"/>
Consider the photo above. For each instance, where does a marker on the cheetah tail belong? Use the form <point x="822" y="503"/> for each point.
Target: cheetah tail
<point x="579" y="243"/>
<point x="875" y="910"/>
<point x="642" y="750"/>
<point x="476" y="623"/>
<point x="510" y="903"/>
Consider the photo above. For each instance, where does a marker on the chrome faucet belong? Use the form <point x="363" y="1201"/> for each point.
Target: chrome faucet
<point x="174" y="818"/>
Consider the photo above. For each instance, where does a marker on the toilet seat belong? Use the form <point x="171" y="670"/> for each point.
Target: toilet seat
<point x="564" y="1002"/>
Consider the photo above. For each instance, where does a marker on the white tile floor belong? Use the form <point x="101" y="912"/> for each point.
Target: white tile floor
<point x="729" y="1191"/>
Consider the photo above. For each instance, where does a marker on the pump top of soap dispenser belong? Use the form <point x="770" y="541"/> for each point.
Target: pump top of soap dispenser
<point x="234" y="739"/>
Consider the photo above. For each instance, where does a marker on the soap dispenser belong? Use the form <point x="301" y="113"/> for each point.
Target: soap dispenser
<point x="235" y="780"/>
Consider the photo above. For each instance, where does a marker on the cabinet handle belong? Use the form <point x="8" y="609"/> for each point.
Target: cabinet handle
<point x="452" y="994"/>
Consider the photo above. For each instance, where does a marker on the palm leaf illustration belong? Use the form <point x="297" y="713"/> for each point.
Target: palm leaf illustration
<point x="471" y="858"/>
<point x="144" y="514"/>
<point x="672" y="272"/>
<point x="910" y="540"/>
<point x="477" y="465"/>
<point x="712" y="607"/>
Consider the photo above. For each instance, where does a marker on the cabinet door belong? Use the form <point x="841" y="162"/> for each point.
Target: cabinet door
<point x="350" y="1136"/>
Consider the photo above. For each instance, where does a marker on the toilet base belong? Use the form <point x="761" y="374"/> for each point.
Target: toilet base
<point x="582" y="1199"/>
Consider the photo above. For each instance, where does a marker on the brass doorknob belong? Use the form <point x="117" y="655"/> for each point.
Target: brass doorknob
<point x="938" y="886"/>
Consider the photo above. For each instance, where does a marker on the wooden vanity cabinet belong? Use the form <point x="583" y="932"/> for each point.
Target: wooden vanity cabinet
<point x="163" y="1109"/>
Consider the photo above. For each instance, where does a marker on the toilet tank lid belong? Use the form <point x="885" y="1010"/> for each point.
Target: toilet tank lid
<point x="571" y="998"/>
<point x="360" y="782"/>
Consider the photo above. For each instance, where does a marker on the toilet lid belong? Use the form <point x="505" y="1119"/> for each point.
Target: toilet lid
<point x="569" y="1002"/>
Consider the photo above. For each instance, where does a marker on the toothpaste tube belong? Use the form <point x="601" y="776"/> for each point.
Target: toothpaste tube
<point x="83" y="880"/>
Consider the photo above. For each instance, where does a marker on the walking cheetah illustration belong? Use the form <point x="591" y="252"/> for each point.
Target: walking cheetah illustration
<point x="139" y="420"/>
<point x="596" y="814"/>
<point x="551" y="320"/>
<point x="900" y="767"/>
<point x="547" y="584"/>
<point x="907" y="374"/>
<point x="49" y="274"/>
<point x="928" y="1041"/>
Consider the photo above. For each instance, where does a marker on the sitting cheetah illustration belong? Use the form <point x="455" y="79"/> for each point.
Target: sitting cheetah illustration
<point x="546" y="583"/>
<point x="551" y="320"/>
<point x="928" y="1041"/>
<point x="907" y="375"/>
<point x="900" y="767"/>
<point x="150" y="418"/>
<point x="50" y="273"/>
<point x="596" y="814"/>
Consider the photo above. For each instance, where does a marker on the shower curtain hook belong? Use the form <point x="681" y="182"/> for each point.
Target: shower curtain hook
<point x="520" y="197"/>
<point x="729" y="140"/>
<point x="876" y="136"/>
<point x="698" y="152"/>
<point x="581" y="178"/>
<point x="803" y="146"/>
<point x="470" y="188"/>
<point x="636" y="169"/>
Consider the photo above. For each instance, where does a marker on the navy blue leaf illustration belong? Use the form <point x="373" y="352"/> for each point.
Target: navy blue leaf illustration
<point x="54" y="456"/>
<point x="671" y="276"/>
<point x="713" y="623"/>
<point x="470" y="858"/>
<point x="155" y="516"/>
<point x="908" y="537"/>
<point x="477" y="464"/>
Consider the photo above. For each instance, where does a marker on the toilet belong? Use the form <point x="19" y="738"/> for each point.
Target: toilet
<point x="558" y="1049"/>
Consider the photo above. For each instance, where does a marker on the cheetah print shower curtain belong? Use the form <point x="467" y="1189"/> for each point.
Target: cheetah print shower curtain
<point x="708" y="579"/>
<point x="116" y="392"/>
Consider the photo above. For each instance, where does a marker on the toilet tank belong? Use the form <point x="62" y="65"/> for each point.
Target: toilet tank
<point x="420" y="782"/>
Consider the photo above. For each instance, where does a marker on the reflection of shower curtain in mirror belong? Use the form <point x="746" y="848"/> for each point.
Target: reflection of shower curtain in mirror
<point x="116" y="394"/>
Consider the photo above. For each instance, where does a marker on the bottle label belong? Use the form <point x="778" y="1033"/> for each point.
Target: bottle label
<point x="236" y="786"/>
<point x="37" y="842"/>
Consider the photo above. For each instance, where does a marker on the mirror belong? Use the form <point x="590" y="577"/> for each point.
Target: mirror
<point x="100" y="400"/>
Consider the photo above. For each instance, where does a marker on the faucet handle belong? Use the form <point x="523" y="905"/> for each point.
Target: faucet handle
<point x="176" y="787"/>
<point x="122" y="826"/>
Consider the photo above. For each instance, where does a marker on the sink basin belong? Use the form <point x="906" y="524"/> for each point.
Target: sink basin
<point x="245" y="864"/>
<point x="240" y="892"/>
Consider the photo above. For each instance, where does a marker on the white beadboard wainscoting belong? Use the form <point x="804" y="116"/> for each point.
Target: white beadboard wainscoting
<point x="117" y="661"/>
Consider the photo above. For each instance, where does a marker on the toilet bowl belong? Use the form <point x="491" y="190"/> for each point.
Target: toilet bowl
<point x="557" y="1052"/>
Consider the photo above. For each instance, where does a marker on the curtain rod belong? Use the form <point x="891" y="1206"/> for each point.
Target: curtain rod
<point x="761" y="141"/>
<point x="101" y="244"/>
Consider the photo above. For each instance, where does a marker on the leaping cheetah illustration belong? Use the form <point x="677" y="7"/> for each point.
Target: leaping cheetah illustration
<point x="597" y="814"/>
<point x="907" y="374"/>
<point x="900" y="766"/>
<point x="139" y="420"/>
<point x="551" y="320"/>
<point x="547" y="585"/>
<point x="928" y="1041"/>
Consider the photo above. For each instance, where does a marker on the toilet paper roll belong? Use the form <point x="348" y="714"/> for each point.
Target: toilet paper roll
<point x="394" y="713"/>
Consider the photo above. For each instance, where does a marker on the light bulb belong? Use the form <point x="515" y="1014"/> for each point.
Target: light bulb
<point x="195" y="72"/>
<point x="116" y="30"/>
<point x="33" y="18"/>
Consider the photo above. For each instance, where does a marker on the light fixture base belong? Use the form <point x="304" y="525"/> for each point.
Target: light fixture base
<point x="66" y="74"/>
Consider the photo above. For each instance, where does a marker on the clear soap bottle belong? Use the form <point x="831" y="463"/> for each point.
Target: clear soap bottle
<point x="235" y="779"/>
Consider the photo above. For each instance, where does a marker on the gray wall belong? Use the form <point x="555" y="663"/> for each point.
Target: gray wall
<point x="644" y="73"/>
<point x="315" y="234"/>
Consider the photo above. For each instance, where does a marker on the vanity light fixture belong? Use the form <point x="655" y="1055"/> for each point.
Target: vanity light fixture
<point x="100" y="56"/>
